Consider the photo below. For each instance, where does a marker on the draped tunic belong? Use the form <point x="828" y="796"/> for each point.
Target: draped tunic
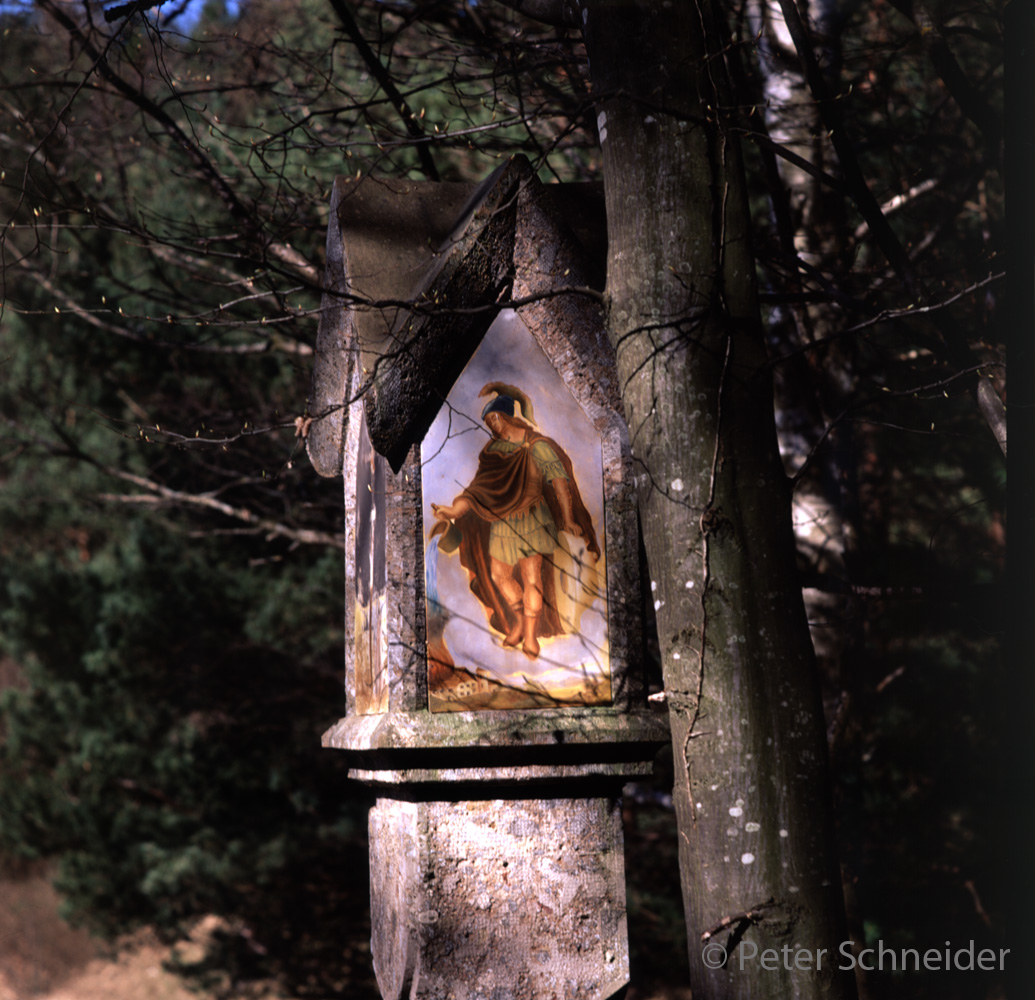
<point x="515" y="513"/>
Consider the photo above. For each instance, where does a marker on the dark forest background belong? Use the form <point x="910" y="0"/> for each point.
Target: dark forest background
<point x="171" y="568"/>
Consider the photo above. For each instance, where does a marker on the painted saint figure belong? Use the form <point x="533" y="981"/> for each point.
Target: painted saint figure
<point x="506" y="523"/>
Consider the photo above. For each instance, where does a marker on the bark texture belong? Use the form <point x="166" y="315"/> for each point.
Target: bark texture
<point x="748" y="734"/>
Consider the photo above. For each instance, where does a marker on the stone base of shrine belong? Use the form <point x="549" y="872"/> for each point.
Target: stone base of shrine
<point x="503" y="899"/>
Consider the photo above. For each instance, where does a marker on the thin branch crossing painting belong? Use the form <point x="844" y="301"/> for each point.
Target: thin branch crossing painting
<point x="514" y="527"/>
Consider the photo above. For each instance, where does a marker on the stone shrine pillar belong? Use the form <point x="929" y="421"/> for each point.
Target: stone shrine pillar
<point x="494" y="690"/>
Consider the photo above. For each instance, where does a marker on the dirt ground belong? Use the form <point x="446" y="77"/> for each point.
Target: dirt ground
<point x="42" y="958"/>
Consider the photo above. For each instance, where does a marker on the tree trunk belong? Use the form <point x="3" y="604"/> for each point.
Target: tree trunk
<point x="757" y="849"/>
<point x="756" y="836"/>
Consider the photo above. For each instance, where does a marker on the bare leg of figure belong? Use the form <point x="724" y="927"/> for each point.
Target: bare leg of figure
<point x="503" y="577"/>
<point x="532" y="577"/>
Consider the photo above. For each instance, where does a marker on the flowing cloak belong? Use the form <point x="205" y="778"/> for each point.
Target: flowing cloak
<point x="507" y="485"/>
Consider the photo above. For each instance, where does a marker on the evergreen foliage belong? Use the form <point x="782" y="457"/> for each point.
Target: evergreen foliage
<point x="170" y="568"/>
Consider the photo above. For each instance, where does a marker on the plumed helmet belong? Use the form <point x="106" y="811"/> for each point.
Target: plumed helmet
<point x="501" y="404"/>
<point x="511" y="400"/>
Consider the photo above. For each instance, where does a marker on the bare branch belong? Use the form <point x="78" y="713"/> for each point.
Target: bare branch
<point x="894" y="204"/>
<point x="387" y="84"/>
<point x="155" y="494"/>
<point x="260" y="347"/>
<point x="967" y="97"/>
<point x="562" y="13"/>
<point x="237" y="209"/>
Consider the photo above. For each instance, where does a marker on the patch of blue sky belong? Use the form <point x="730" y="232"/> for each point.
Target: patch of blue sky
<point x="181" y="14"/>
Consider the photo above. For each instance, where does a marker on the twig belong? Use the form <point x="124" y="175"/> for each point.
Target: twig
<point x="894" y="204"/>
<point x="894" y="314"/>
<point x="750" y="916"/>
<point x="386" y="83"/>
<point x="157" y="494"/>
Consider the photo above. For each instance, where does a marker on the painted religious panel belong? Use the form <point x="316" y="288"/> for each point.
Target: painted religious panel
<point x="371" y="626"/>
<point x="514" y="523"/>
